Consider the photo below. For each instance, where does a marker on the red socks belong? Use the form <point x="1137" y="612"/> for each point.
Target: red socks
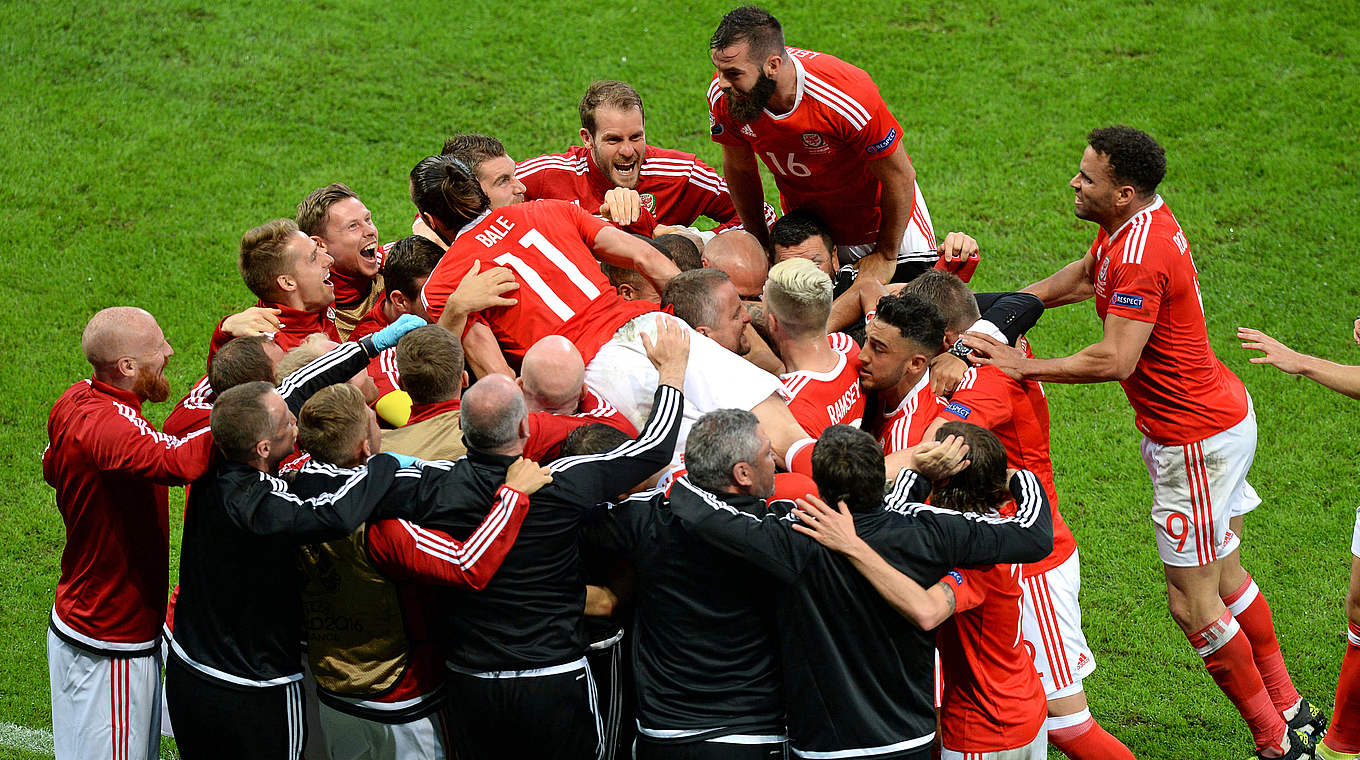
<point x="1248" y="605"/>
<point x="1228" y="657"/>
<point x="1344" y="734"/>
<point x="1080" y="738"/>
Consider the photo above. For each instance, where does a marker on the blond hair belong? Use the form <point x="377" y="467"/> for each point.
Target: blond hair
<point x="301" y="355"/>
<point x="333" y="423"/>
<point x="799" y="295"/>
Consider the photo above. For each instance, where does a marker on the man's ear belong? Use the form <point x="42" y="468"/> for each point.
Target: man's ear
<point x="524" y="428"/>
<point x="286" y="283"/>
<point x="704" y="331"/>
<point x="703" y="261"/>
<point x="918" y="363"/>
<point x="465" y="379"/>
<point x="400" y="301"/>
<point x="742" y="474"/>
<point x="434" y="226"/>
<point x="626" y="291"/>
<point x="772" y="66"/>
<point x="261" y="449"/>
<point x="585" y="138"/>
<point x="127" y="366"/>
<point x="319" y="242"/>
<point x="365" y="451"/>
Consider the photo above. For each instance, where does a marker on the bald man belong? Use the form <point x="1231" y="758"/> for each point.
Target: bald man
<point x="740" y="255"/>
<point x="111" y="468"/>
<point x="552" y="378"/>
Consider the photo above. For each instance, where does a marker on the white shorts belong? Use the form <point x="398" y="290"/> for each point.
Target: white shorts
<point x="918" y="242"/>
<point x="352" y="738"/>
<point x="103" y="707"/>
<point x="1197" y="488"/>
<point x="716" y="378"/>
<point x="1050" y="621"/>
<point x="1035" y="750"/>
<point x="1355" y="534"/>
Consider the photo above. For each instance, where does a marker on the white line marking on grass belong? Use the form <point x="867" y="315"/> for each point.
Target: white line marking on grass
<point x="39" y="741"/>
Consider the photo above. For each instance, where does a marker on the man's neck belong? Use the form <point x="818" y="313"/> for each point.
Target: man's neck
<point x="785" y="87"/>
<point x="807" y="354"/>
<point x="119" y="381"/>
<point x="1137" y="207"/>
<point x="893" y="398"/>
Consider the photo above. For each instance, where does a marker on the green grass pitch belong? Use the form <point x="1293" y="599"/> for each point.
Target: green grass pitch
<point x="140" y="141"/>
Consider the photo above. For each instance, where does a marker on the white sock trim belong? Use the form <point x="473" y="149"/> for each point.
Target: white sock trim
<point x="1245" y="600"/>
<point x="1059" y="722"/>
<point x="1217" y="636"/>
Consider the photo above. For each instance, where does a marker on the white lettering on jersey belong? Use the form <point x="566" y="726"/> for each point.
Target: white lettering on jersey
<point x="496" y="232"/>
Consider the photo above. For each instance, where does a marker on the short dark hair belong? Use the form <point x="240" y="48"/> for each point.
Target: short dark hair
<point x="239" y="420"/>
<point x="847" y="465"/>
<point x="447" y="189"/>
<point x="410" y="259"/>
<point x="716" y="443"/>
<point x="1135" y="158"/>
<point x="608" y="93"/>
<point x="981" y="486"/>
<point x="473" y="149"/>
<point x="430" y="364"/>
<point x="951" y="296"/>
<point x="690" y="295"/>
<point x="796" y="226"/>
<point x="752" y="25"/>
<point x="916" y="318"/>
<point x="595" y="438"/>
<point x="241" y="360"/>
<point x="679" y="249"/>
<point x="312" y="210"/>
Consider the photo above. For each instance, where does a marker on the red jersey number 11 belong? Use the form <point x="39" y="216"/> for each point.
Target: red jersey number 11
<point x="527" y="276"/>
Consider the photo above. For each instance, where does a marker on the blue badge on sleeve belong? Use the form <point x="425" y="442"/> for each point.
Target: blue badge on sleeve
<point x="1127" y="301"/>
<point x="957" y="576"/>
<point x="885" y="143"/>
<point x="958" y="410"/>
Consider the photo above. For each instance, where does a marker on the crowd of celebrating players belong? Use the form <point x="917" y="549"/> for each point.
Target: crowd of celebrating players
<point x="561" y="475"/>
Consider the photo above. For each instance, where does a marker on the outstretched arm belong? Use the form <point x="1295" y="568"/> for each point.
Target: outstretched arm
<point x="1342" y="378"/>
<point x="1071" y="284"/>
<point x="1114" y="357"/>
<point x="835" y="529"/>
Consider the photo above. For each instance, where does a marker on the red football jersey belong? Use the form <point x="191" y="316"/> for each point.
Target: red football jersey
<point x="191" y="413"/>
<point x="561" y="288"/>
<point x="993" y="699"/>
<point x="820" y="151"/>
<point x="110" y="469"/>
<point x="1179" y="390"/>
<point x="819" y="400"/>
<point x="383" y="367"/>
<point x="904" y="426"/>
<point x="676" y="187"/>
<point x="1018" y="413"/>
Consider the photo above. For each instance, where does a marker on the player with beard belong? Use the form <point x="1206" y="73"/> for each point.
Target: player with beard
<point x="1192" y="411"/>
<point x="826" y="135"/>
<point x="673" y="188"/>
<point x="111" y="468"/>
<point x="341" y="224"/>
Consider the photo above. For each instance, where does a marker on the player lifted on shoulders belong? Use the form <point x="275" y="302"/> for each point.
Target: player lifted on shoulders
<point x="674" y="188"/>
<point x="826" y="135"/>
<point x="554" y="249"/>
<point x="1191" y="410"/>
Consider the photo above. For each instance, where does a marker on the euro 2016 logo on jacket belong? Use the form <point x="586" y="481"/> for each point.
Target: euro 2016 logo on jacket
<point x="648" y="202"/>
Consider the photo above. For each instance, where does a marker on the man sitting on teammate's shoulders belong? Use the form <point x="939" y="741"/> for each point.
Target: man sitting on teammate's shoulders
<point x="340" y="223"/>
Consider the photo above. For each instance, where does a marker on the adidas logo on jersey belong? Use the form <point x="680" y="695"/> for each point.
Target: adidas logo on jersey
<point x="746" y="130"/>
<point x="1082" y="660"/>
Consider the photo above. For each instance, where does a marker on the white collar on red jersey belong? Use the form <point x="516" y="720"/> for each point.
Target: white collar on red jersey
<point x="472" y="223"/>
<point x="798" y="93"/>
<point x="1151" y="207"/>
<point x="924" y="382"/>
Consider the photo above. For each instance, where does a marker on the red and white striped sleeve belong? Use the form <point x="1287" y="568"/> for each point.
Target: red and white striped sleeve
<point x="403" y="550"/>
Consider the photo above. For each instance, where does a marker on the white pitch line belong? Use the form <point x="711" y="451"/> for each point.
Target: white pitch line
<point x="39" y="741"/>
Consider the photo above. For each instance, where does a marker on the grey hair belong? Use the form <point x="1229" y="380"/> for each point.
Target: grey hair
<point x="489" y="428"/>
<point x="716" y="443"/>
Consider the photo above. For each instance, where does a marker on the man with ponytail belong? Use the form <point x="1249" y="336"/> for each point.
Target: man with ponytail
<point x="554" y="249"/>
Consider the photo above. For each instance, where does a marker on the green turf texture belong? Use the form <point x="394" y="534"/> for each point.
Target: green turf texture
<point x="140" y="141"/>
